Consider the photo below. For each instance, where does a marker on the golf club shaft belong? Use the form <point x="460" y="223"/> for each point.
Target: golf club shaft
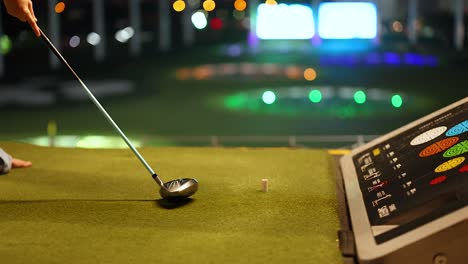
<point x="103" y="111"/>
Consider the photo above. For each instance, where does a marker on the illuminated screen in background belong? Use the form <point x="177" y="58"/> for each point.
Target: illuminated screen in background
<point x="347" y="20"/>
<point x="284" y="22"/>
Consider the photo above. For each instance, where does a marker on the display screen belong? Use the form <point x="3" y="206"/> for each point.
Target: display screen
<point x="417" y="175"/>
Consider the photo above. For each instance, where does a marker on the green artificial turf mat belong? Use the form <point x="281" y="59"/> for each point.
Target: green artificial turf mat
<point x="101" y="206"/>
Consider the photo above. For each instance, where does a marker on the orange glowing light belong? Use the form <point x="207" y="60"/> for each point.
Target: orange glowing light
<point x="183" y="74"/>
<point x="240" y="5"/>
<point x="59" y="7"/>
<point x="209" y="5"/>
<point x="397" y="26"/>
<point x="310" y="74"/>
<point x="293" y="72"/>
<point x="203" y="72"/>
<point x="179" y="5"/>
<point x="271" y="2"/>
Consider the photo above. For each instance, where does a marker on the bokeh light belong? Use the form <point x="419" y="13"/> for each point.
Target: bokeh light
<point x="310" y="74"/>
<point x="216" y="23"/>
<point x="320" y="101"/>
<point x="360" y="97"/>
<point x="95" y="141"/>
<point x="271" y="2"/>
<point x="203" y="72"/>
<point x="93" y="38"/>
<point x="397" y="101"/>
<point x="284" y="22"/>
<point x="74" y="41"/>
<point x="59" y="7"/>
<point x="199" y="20"/>
<point x="351" y="20"/>
<point x="125" y="34"/>
<point x="240" y="5"/>
<point x="183" y="73"/>
<point x="293" y="72"/>
<point x="397" y="26"/>
<point x="268" y="97"/>
<point x="209" y="5"/>
<point x="178" y="5"/>
<point x="5" y="44"/>
<point x="315" y="96"/>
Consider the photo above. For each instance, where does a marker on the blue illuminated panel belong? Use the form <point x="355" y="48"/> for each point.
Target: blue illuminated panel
<point x="354" y="20"/>
<point x="284" y="22"/>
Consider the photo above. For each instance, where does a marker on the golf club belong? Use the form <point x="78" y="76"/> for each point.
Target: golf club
<point x="180" y="188"/>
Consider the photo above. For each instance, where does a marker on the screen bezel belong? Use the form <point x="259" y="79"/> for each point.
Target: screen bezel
<point x="366" y="245"/>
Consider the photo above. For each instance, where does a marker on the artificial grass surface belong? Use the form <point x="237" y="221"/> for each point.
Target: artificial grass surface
<point x="101" y="206"/>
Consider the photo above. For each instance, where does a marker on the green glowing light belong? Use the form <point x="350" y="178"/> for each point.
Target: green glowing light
<point x="360" y="97"/>
<point x="236" y="101"/>
<point x="315" y="96"/>
<point x="269" y="97"/>
<point x="104" y="142"/>
<point x="59" y="141"/>
<point x="5" y="44"/>
<point x="397" y="101"/>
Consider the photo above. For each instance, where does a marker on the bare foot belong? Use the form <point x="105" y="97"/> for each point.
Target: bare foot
<point x="17" y="163"/>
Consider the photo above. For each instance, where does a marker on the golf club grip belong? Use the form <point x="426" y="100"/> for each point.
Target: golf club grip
<point x="101" y="108"/>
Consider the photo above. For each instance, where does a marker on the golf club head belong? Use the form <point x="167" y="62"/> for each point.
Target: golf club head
<point x="180" y="188"/>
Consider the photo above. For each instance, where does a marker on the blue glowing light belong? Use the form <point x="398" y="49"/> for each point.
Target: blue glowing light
<point x="385" y="58"/>
<point x="347" y="20"/>
<point x="284" y="22"/>
<point x="392" y="58"/>
<point x="373" y="58"/>
<point x="413" y="59"/>
<point x="234" y="50"/>
<point x="430" y="60"/>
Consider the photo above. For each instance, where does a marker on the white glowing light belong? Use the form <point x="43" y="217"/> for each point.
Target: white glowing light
<point x="125" y="34"/>
<point x="130" y="31"/>
<point x="284" y="22"/>
<point x="268" y="97"/>
<point x="353" y="20"/>
<point x="199" y="20"/>
<point x="92" y="141"/>
<point x="93" y="38"/>
<point x="74" y="41"/>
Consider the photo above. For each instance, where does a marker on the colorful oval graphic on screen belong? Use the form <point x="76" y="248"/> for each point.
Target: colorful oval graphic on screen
<point x="450" y="164"/>
<point x="439" y="146"/>
<point x="438" y="180"/>
<point x="456" y="150"/>
<point x="428" y="135"/>
<point x="458" y="129"/>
